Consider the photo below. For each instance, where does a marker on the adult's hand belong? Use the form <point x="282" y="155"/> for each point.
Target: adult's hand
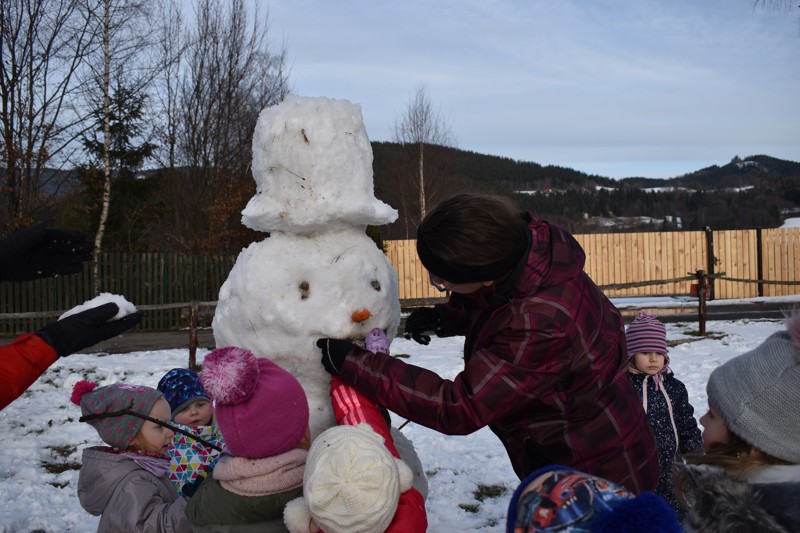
<point x="87" y="328"/>
<point x="333" y="353"/>
<point x="39" y="252"/>
<point x="420" y="321"/>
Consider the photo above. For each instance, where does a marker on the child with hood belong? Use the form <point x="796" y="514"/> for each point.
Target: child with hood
<point x="126" y="483"/>
<point x="194" y="452"/>
<point x="749" y="477"/>
<point x="262" y="413"/>
<point x="664" y="398"/>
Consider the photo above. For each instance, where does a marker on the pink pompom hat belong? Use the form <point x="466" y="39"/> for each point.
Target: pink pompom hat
<point x="261" y="409"/>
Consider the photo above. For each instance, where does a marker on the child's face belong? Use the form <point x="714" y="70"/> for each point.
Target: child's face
<point x="715" y="430"/>
<point x="152" y="437"/>
<point x="196" y="414"/>
<point x="650" y="363"/>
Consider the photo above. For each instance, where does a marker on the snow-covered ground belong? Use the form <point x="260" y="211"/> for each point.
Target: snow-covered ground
<point x="470" y="478"/>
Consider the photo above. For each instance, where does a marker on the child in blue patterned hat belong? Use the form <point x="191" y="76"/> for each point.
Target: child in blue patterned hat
<point x="191" y="459"/>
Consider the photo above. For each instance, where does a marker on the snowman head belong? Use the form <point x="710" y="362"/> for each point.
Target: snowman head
<point x="312" y="163"/>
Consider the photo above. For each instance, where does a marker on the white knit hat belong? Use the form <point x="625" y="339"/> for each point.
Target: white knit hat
<point x="352" y="484"/>
<point x="758" y="393"/>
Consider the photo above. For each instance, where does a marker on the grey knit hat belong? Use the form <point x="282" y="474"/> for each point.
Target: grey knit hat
<point x="758" y="393"/>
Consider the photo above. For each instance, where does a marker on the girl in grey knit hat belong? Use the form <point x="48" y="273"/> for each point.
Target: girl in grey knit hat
<point x="749" y="477"/>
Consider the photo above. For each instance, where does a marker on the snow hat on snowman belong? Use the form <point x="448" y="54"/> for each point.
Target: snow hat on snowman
<point x="352" y="484"/>
<point x="261" y="409"/>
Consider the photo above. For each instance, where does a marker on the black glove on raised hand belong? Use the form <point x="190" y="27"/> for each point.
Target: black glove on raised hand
<point x="333" y="353"/>
<point x="87" y="328"/>
<point x="422" y="320"/>
<point x="38" y="252"/>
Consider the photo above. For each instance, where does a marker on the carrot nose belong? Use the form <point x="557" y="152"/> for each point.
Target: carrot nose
<point x="361" y="315"/>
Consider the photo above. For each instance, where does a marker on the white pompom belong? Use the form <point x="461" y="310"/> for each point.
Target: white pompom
<point x="297" y="517"/>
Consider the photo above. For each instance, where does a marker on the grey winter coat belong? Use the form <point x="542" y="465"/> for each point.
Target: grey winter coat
<point x="671" y="439"/>
<point x="127" y="497"/>
<point x="767" y="500"/>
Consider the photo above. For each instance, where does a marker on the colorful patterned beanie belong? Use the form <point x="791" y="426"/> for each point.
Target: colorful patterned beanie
<point x="117" y="429"/>
<point x="560" y="499"/>
<point x="181" y="387"/>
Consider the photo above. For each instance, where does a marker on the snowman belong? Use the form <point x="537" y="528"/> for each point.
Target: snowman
<point x="317" y="274"/>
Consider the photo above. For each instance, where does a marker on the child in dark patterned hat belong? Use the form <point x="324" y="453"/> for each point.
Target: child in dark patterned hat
<point x="664" y="398"/>
<point x="191" y="459"/>
<point x="125" y="483"/>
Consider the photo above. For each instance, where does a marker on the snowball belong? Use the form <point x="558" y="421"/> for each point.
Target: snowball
<point x="125" y="307"/>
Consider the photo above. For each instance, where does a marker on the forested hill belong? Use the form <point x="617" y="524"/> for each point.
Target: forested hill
<point x="757" y="191"/>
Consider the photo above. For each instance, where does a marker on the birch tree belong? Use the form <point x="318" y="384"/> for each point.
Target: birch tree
<point x="418" y="126"/>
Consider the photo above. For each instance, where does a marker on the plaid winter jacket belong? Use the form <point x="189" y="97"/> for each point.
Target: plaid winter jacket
<point x="545" y="367"/>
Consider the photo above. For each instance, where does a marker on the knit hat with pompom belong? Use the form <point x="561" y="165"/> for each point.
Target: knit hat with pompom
<point x="116" y="430"/>
<point x="758" y="393"/>
<point x="260" y="408"/>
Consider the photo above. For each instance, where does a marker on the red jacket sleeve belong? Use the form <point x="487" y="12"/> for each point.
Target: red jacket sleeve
<point x="352" y="408"/>
<point x="21" y="363"/>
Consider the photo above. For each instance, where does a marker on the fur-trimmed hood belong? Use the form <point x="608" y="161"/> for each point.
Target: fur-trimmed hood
<point x="765" y="500"/>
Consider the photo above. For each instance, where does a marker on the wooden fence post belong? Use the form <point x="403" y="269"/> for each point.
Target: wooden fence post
<point x="702" y="286"/>
<point x="760" y="262"/>
<point x="193" y="336"/>
<point x="710" y="258"/>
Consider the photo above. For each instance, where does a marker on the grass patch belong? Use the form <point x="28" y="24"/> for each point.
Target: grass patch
<point x="469" y="507"/>
<point x="488" y="491"/>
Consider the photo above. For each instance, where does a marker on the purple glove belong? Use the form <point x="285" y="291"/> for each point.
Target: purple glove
<point x="377" y="341"/>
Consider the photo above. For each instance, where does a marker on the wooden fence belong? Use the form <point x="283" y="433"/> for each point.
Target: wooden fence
<point x="736" y="260"/>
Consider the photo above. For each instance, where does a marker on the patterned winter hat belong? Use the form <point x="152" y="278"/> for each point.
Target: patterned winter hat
<point x="352" y="483"/>
<point x="758" y="393"/>
<point x="646" y="334"/>
<point x="566" y="500"/>
<point x="116" y="429"/>
<point x="261" y="409"/>
<point x="181" y="387"/>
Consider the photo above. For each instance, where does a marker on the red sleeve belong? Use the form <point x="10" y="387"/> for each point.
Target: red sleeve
<point x="21" y="363"/>
<point x="352" y="408"/>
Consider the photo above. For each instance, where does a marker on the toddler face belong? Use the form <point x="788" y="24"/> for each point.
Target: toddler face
<point x="196" y="414"/>
<point x="650" y="363"/>
<point x="715" y="430"/>
<point x="152" y="437"/>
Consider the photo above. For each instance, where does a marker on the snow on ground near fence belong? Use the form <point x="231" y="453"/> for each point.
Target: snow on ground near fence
<point x="470" y="477"/>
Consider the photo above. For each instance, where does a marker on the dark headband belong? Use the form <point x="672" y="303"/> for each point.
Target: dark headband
<point x="468" y="274"/>
<point x="130" y="412"/>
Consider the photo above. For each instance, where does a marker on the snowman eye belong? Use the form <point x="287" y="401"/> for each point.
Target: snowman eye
<point x="303" y="290"/>
<point x="376" y="284"/>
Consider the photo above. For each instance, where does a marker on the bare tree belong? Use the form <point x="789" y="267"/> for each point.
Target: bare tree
<point x="421" y="125"/>
<point x="126" y="37"/>
<point x="45" y="43"/>
<point x="231" y="73"/>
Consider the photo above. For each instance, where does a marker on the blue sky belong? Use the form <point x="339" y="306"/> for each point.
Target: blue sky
<point x="619" y="88"/>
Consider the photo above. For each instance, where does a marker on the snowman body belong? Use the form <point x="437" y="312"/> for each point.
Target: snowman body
<point x="318" y="274"/>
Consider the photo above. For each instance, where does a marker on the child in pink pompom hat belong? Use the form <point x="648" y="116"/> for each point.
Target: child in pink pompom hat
<point x="262" y="413"/>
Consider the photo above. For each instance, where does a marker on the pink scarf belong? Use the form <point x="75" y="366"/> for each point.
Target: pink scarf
<point x="261" y="477"/>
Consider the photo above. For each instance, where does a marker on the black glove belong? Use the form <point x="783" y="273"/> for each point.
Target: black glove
<point x="422" y="320"/>
<point x="333" y="353"/>
<point x="38" y="252"/>
<point x="87" y="328"/>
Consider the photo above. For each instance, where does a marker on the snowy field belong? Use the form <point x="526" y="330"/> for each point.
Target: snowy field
<point x="470" y="478"/>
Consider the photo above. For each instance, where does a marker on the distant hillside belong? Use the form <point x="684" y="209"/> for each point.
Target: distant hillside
<point x="758" y="191"/>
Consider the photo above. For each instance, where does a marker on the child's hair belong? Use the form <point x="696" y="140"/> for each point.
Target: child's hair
<point x="646" y="334"/>
<point x="261" y="409"/>
<point x="181" y="387"/>
<point x="472" y="237"/>
<point x="116" y="411"/>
